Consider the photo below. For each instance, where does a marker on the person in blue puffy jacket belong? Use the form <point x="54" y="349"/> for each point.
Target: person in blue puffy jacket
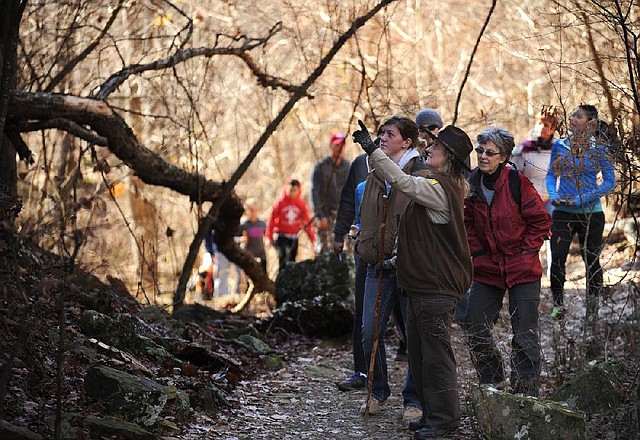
<point x="579" y="175"/>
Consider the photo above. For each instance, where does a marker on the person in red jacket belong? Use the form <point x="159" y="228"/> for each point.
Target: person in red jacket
<point x="505" y="235"/>
<point x="289" y="216"/>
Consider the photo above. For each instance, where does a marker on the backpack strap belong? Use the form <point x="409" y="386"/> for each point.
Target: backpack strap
<point x="515" y="186"/>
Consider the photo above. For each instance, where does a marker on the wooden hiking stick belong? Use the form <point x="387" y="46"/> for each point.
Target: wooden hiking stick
<point x="376" y="310"/>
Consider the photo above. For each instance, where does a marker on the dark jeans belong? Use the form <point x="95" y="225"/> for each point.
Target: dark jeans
<point x="389" y="298"/>
<point x="483" y="309"/>
<point x="287" y="250"/>
<point x="399" y="321"/>
<point x="589" y="229"/>
<point x="431" y="357"/>
<point x="359" y="362"/>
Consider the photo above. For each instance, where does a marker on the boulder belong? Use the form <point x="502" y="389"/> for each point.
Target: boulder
<point x="136" y="399"/>
<point x="256" y="345"/>
<point x="503" y="416"/>
<point x="109" y="427"/>
<point x="326" y="274"/>
<point x="599" y="389"/>
<point x="125" y="333"/>
<point x="209" y="399"/>
<point x="13" y="432"/>
<point x="315" y="298"/>
<point x="322" y="316"/>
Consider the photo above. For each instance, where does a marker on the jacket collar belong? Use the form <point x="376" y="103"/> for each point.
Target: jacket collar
<point x="474" y="181"/>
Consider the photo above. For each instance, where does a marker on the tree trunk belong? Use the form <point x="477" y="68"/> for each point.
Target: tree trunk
<point x="10" y="16"/>
<point x="226" y="227"/>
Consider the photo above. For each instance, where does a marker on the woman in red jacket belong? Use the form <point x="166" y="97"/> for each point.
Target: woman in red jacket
<point x="505" y="233"/>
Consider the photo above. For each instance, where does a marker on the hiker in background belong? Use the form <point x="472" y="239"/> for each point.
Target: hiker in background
<point x="577" y="162"/>
<point x="398" y="137"/>
<point x="532" y="156"/>
<point x="429" y="122"/>
<point x="289" y="216"/>
<point x="253" y="230"/>
<point x="222" y="268"/>
<point x="504" y="236"/>
<point x="433" y="268"/>
<point x="327" y="179"/>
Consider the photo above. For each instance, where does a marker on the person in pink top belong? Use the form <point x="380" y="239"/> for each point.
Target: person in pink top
<point x="289" y="216"/>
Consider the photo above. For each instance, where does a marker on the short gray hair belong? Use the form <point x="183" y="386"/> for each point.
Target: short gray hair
<point x="499" y="136"/>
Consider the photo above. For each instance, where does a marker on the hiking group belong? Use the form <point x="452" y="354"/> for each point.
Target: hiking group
<point x="434" y="240"/>
<point x="441" y="241"/>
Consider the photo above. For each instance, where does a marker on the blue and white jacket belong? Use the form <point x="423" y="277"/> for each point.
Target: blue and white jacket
<point x="573" y="176"/>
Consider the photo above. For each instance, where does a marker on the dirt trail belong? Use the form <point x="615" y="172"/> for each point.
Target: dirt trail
<point x="301" y="401"/>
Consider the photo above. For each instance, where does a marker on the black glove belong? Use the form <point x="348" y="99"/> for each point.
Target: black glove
<point x="386" y="266"/>
<point x="362" y="137"/>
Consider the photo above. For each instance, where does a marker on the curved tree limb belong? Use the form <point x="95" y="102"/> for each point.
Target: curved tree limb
<point x="62" y="124"/>
<point x="473" y="53"/>
<point x="265" y="79"/>
<point x="121" y="140"/>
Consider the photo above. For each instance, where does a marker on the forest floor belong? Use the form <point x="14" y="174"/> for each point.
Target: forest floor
<point x="300" y="400"/>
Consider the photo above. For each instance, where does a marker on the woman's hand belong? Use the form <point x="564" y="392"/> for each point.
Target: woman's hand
<point x="363" y="138"/>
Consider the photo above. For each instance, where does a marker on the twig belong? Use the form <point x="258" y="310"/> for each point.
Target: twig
<point x="473" y="53"/>
<point x="245" y="300"/>
<point x="219" y="340"/>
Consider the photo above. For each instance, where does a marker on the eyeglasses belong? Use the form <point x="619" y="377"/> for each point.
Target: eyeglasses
<point x="423" y="129"/>
<point x="488" y="153"/>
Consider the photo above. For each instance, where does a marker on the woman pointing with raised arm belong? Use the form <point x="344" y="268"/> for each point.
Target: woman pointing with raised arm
<point x="433" y="268"/>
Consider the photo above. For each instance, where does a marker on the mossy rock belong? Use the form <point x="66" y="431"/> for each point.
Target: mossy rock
<point x="597" y="390"/>
<point x="325" y="275"/>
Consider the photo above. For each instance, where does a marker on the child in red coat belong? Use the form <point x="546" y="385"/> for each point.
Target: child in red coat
<point x="289" y="216"/>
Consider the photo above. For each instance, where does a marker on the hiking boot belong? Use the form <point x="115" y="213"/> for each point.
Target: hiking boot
<point x="411" y="413"/>
<point x="417" y="424"/>
<point x="431" y="431"/>
<point x="498" y="385"/>
<point x="374" y="407"/>
<point x="355" y="382"/>
<point x="526" y="387"/>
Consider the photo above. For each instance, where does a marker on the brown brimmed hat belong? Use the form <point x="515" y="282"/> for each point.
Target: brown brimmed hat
<point x="456" y="141"/>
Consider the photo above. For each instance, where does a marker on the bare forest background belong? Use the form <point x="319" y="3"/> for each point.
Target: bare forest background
<point x="133" y="120"/>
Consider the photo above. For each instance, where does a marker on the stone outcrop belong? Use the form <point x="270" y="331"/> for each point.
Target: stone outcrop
<point x="314" y="298"/>
<point x="325" y="275"/>
<point x="124" y="332"/>
<point x="503" y="416"/>
<point x="136" y="399"/>
<point x="13" y="432"/>
<point x="113" y="427"/>
<point x="597" y="390"/>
